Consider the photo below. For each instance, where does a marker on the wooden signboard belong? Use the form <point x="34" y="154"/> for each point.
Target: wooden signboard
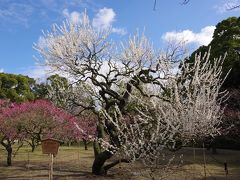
<point x="50" y="146"/>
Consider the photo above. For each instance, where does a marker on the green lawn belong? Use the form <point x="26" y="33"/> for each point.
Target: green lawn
<point x="75" y="163"/>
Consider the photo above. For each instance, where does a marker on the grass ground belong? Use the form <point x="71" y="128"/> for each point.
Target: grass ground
<point x="75" y="163"/>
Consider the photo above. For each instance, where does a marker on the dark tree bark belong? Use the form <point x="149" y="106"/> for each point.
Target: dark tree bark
<point x="32" y="144"/>
<point x="33" y="148"/>
<point x="96" y="148"/>
<point x="85" y="144"/>
<point x="100" y="134"/>
<point x="9" y="155"/>
<point x="98" y="167"/>
<point x="100" y="156"/>
<point x="98" y="164"/>
<point x="8" y="147"/>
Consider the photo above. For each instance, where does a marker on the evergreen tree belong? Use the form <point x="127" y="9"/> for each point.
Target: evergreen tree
<point x="17" y="88"/>
<point x="226" y="39"/>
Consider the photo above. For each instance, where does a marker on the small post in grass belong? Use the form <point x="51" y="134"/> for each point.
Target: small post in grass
<point x="50" y="146"/>
<point x="28" y="160"/>
<point x="51" y="167"/>
<point x="226" y="168"/>
<point x="204" y="159"/>
<point x="78" y="152"/>
<point x="194" y="153"/>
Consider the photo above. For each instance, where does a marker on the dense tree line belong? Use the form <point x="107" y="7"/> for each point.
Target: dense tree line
<point x="20" y="88"/>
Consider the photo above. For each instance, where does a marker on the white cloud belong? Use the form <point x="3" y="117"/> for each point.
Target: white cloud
<point x="104" y="19"/>
<point x="1" y="70"/>
<point x="74" y="17"/>
<point x="225" y="6"/>
<point x="120" y="31"/>
<point x="203" y="37"/>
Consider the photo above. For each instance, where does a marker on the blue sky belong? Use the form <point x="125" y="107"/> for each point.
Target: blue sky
<point x="22" y="22"/>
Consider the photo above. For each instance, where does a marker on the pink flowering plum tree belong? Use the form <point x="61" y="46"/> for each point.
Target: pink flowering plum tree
<point x="10" y="132"/>
<point x="88" y="123"/>
<point x="35" y="120"/>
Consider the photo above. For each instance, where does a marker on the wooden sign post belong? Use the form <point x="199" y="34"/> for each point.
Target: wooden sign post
<point x="50" y="146"/>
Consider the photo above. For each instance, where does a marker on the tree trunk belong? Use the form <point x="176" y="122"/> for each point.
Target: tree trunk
<point x="100" y="134"/>
<point x="32" y="148"/>
<point x="9" y="155"/>
<point x="85" y="144"/>
<point x="101" y="157"/>
<point x="33" y="145"/>
<point x="96" y="148"/>
<point x="98" y="164"/>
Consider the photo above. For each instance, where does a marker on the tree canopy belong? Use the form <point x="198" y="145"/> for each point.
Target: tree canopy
<point x="57" y="88"/>
<point x="17" y="88"/>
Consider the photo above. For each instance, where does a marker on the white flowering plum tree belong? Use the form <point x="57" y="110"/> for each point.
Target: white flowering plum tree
<point x="190" y="111"/>
<point x="143" y="104"/>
